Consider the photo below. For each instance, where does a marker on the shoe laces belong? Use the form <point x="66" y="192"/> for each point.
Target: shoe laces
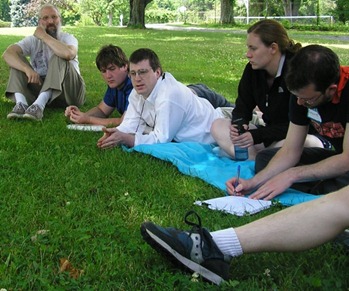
<point x="33" y="108"/>
<point x="196" y="226"/>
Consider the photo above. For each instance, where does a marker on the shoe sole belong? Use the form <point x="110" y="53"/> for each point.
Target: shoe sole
<point x="159" y="245"/>
<point x="15" y="116"/>
<point x="30" y="117"/>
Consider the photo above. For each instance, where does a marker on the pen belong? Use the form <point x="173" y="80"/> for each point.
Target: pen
<point x="237" y="180"/>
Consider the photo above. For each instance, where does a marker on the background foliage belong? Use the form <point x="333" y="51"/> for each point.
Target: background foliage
<point x="108" y="12"/>
<point x="91" y="202"/>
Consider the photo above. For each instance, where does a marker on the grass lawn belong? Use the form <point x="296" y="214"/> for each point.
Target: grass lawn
<point x="88" y="204"/>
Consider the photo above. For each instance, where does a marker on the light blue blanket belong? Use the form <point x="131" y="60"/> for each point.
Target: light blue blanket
<point x="198" y="160"/>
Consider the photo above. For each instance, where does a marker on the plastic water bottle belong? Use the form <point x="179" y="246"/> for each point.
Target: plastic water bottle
<point x="241" y="154"/>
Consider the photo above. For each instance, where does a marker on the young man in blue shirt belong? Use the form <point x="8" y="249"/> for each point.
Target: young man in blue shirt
<point x="112" y="62"/>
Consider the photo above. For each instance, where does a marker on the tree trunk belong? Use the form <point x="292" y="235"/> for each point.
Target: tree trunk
<point x="137" y="13"/>
<point x="227" y="11"/>
<point x="291" y="7"/>
<point x="110" y="19"/>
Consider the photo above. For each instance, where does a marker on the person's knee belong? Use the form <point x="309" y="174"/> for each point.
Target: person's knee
<point x="220" y="126"/>
<point x="263" y="158"/>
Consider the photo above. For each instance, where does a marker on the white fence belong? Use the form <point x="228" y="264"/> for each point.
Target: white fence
<point x="327" y="18"/>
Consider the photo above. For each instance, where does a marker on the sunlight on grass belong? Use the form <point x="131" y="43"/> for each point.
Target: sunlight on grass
<point x="92" y="202"/>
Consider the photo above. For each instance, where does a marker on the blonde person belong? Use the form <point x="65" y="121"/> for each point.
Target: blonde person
<point x="53" y="74"/>
<point x="263" y="98"/>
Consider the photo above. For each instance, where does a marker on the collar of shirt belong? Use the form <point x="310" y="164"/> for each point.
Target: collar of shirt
<point x="281" y="65"/>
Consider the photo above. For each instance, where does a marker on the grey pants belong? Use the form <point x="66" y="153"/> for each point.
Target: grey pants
<point x="68" y="87"/>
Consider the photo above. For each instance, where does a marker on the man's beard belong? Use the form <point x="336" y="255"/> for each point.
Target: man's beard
<point x="52" y="30"/>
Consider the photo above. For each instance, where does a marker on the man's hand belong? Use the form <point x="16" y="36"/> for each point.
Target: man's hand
<point x="110" y="139"/>
<point x="33" y="77"/>
<point x="113" y="137"/>
<point x="70" y="109"/>
<point x="243" y="140"/>
<point x="76" y="116"/>
<point x="273" y="187"/>
<point x="40" y="32"/>
<point x="241" y="188"/>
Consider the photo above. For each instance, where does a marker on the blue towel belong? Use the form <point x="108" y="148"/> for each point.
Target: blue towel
<point x="198" y="160"/>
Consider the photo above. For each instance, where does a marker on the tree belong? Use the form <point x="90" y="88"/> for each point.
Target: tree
<point x="291" y="7"/>
<point x="227" y="11"/>
<point x="137" y="13"/>
<point x="18" y="14"/>
<point x="342" y="10"/>
<point x="5" y="10"/>
<point x="69" y="10"/>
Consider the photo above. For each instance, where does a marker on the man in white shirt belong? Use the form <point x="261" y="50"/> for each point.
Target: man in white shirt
<point x="53" y="74"/>
<point x="161" y="109"/>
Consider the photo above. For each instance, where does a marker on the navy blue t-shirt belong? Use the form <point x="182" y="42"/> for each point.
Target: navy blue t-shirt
<point x="118" y="98"/>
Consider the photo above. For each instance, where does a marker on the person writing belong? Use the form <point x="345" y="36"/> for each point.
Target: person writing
<point x="319" y="106"/>
<point x="112" y="62"/>
<point x="53" y="74"/>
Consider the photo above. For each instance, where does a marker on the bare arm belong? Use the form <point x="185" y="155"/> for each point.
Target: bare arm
<point x="98" y="115"/>
<point x="113" y="137"/>
<point x="287" y="157"/>
<point x="60" y="49"/>
<point x="13" y="56"/>
<point x="331" y="167"/>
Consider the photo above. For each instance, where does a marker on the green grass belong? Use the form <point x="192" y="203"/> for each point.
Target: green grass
<point x="92" y="202"/>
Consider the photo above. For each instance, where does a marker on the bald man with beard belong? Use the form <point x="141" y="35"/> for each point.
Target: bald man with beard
<point x="52" y="76"/>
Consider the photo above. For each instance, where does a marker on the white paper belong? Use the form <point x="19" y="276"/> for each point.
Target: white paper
<point x="237" y="205"/>
<point x="85" y="127"/>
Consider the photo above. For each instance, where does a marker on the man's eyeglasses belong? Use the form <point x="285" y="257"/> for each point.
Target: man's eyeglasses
<point x="141" y="73"/>
<point x="310" y="101"/>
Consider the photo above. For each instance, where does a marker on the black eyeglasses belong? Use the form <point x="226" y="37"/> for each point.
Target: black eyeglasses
<point x="310" y="101"/>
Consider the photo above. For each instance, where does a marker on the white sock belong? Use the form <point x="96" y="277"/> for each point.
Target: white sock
<point x="43" y="98"/>
<point x="20" y="98"/>
<point x="228" y="242"/>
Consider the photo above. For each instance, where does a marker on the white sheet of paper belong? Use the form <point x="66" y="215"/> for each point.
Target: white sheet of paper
<point x="237" y="205"/>
<point x="85" y="127"/>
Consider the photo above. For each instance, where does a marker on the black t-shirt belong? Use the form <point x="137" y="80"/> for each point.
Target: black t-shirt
<point x="334" y="118"/>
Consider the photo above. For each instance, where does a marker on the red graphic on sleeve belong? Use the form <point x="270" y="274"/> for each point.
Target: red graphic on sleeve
<point x="329" y="129"/>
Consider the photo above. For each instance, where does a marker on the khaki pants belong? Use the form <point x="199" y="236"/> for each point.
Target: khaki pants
<point x="68" y="87"/>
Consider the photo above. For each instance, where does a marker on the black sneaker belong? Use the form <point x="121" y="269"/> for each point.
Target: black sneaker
<point x="195" y="250"/>
<point x="343" y="239"/>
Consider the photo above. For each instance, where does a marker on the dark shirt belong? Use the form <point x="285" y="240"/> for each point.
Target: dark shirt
<point x="334" y="118"/>
<point x="273" y="102"/>
<point x="118" y="98"/>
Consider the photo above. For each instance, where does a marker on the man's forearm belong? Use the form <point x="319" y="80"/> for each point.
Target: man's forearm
<point x="331" y="167"/>
<point x="280" y="162"/>
<point x="59" y="48"/>
<point x="14" y="61"/>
